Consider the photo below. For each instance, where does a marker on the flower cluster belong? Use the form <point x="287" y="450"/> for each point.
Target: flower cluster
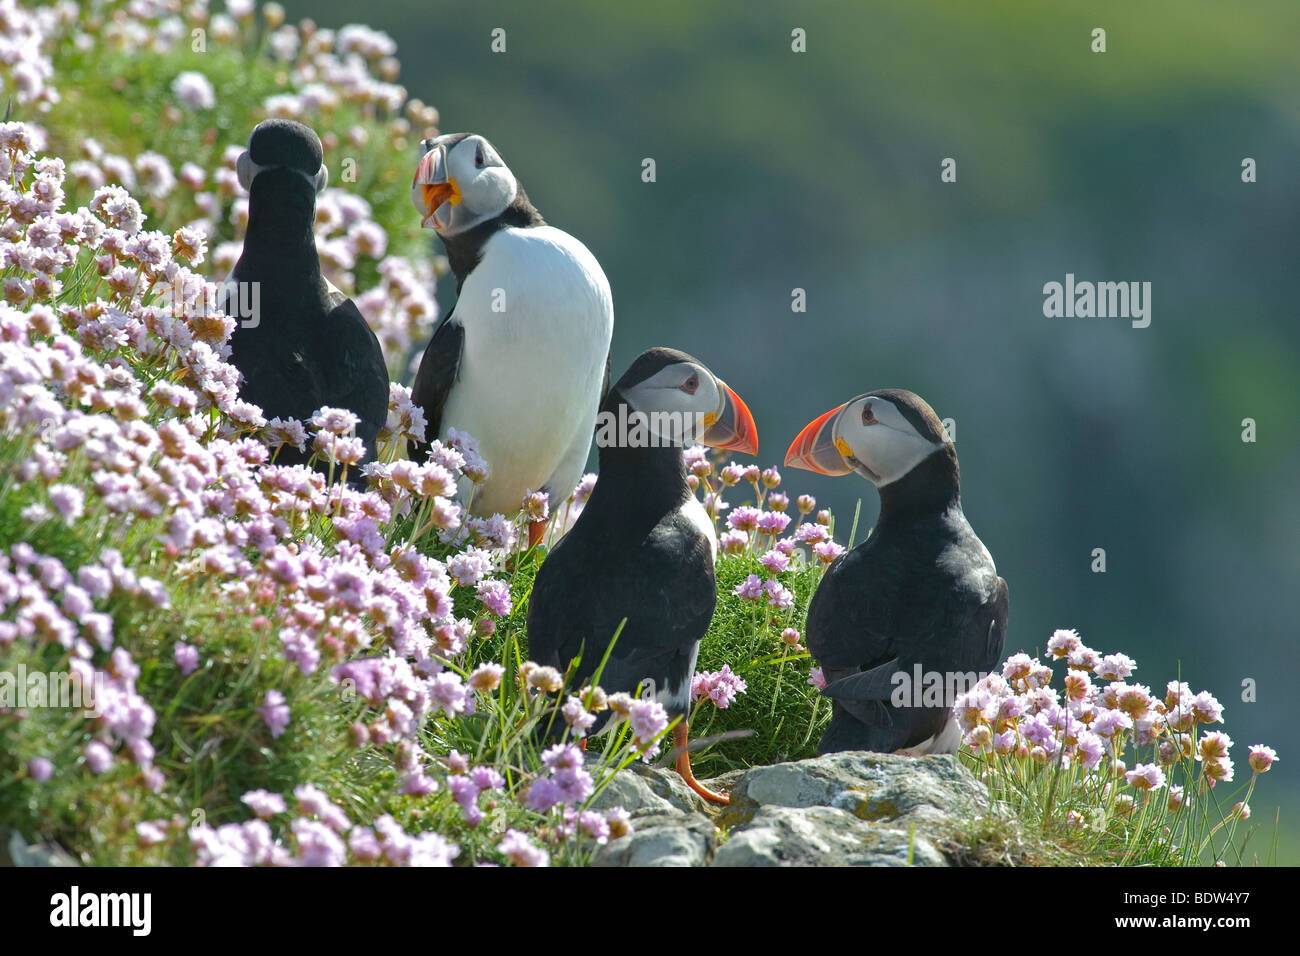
<point x="122" y="417"/>
<point x="761" y="528"/>
<point x="52" y="605"/>
<point x="321" y="835"/>
<point x="1095" y="720"/>
<point x="720" y="687"/>
<point x="330" y="78"/>
<point x="25" y="34"/>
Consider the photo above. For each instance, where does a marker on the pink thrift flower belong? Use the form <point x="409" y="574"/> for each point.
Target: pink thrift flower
<point x="778" y="596"/>
<point x="536" y="506"/>
<point x="721" y="687"/>
<point x="486" y="677"/>
<point x="751" y="589"/>
<point x="1063" y="642"/>
<point x="744" y="518"/>
<point x="576" y="715"/>
<point x="194" y="91"/>
<point x="1206" y="708"/>
<point x="828" y="551"/>
<point x="275" y="712"/>
<point x="149" y="833"/>
<point x="811" y="534"/>
<point x="731" y="474"/>
<point x="264" y="803"/>
<point x="585" y="487"/>
<point x="495" y="595"/>
<point x="595" y="826"/>
<point x="1116" y="667"/>
<point x="648" y="720"/>
<point x="773" y="522"/>
<point x="1261" y="758"/>
<point x="521" y="851"/>
<point x="186" y="657"/>
<point x="1146" y="776"/>
<point x="448" y="694"/>
<point x="98" y="757"/>
<point x="68" y="501"/>
<point x="733" y="542"/>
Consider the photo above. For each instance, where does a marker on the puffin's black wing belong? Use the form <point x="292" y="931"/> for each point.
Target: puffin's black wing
<point x="876" y="615"/>
<point x="279" y="373"/>
<point x="845" y="629"/>
<point x="665" y="590"/>
<point x="438" y="371"/>
<point x="284" y="383"/>
<point x="873" y="684"/>
<point x="354" y="363"/>
<point x="960" y="636"/>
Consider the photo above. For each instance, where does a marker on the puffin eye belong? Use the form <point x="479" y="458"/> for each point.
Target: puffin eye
<point x="691" y="384"/>
<point x="868" y="416"/>
<point x="478" y="157"/>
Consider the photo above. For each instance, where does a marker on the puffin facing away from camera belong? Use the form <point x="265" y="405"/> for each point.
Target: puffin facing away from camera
<point x="522" y="361"/>
<point x="643" y="547"/>
<point x="299" y="343"/>
<point x="920" y="595"/>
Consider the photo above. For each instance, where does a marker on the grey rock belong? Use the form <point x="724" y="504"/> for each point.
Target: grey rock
<point x="847" y="809"/>
<point x="36" y="854"/>
<point x="640" y="787"/>
<point x="661" y="838"/>
<point x="870" y="786"/>
<point x="724" y="783"/>
<point x="822" y="836"/>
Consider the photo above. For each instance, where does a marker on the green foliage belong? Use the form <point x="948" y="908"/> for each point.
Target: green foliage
<point x="124" y="101"/>
<point x="782" y="713"/>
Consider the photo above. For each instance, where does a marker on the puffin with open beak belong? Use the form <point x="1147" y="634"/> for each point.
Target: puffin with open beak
<point x="643" y="548"/>
<point x="920" y="596"/>
<point x="299" y="343"/>
<point x="522" y="361"/>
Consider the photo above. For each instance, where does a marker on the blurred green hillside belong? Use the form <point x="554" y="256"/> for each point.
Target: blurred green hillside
<point x="820" y="171"/>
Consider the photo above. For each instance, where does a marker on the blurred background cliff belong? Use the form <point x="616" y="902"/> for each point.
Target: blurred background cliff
<point x="821" y="171"/>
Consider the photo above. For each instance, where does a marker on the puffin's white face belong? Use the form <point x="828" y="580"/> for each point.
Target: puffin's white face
<point x="868" y="435"/>
<point x="684" y="404"/>
<point x="459" y="184"/>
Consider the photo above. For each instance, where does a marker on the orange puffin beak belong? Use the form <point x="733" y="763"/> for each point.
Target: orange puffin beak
<point x="815" y="448"/>
<point x="734" y="428"/>
<point x="436" y="187"/>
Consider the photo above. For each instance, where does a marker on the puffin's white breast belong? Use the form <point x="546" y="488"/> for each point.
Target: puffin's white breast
<point x="538" y="315"/>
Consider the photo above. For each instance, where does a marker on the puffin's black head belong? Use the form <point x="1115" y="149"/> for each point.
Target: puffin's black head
<point x="283" y="144"/>
<point x="461" y="182"/>
<point x="674" y="400"/>
<point x="882" y="435"/>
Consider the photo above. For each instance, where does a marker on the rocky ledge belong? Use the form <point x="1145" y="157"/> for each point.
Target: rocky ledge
<point x="848" y="809"/>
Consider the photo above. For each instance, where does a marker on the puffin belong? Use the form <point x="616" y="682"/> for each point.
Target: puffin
<point x="920" y="595"/>
<point x="521" y="363"/>
<point x="299" y="343"/>
<point x="643" y="548"/>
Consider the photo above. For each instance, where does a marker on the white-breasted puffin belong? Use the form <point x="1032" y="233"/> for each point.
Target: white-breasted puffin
<point x="643" y="548"/>
<point x="920" y="590"/>
<point x="522" y="361"/>
<point x="307" y="346"/>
